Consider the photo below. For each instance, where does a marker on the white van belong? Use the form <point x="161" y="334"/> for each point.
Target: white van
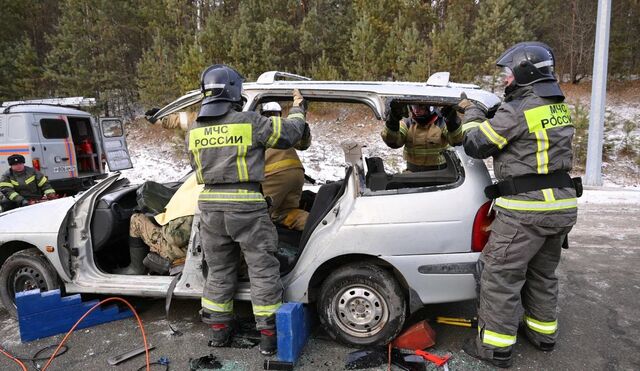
<point x="68" y="145"/>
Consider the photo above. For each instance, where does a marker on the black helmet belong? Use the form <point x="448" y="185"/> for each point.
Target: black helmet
<point x="221" y="86"/>
<point x="530" y="62"/>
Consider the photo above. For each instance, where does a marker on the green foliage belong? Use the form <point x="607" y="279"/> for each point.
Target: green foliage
<point x="128" y="52"/>
<point x="157" y="83"/>
<point x="580" y="118"/>
<point x="28" y="74"/>
<point x="498" y="27"/>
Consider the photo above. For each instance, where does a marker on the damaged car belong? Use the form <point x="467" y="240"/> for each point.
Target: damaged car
<point x="377" y="245"/>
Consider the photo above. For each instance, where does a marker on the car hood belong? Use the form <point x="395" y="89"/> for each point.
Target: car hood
<point x="44" y="217"/>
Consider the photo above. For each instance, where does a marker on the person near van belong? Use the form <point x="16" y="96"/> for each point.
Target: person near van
<point x="284" y="178"/>
<point x="166" y="234"/>
<point x="425" y="134"/>
<point x="226" y="148"/>
<point x="22" y="184"/>
<point x="529" y="139"/>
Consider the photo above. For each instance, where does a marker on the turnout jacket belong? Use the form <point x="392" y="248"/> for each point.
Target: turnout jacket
<point x="423" y="144"/>
<point x="277" y="160"/>
<point x="29" y="184"/>
<point x="528" y="135"/>
<point x="227" y="154"/>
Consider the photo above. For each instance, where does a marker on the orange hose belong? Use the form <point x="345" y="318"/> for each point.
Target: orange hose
<point x="14" y="359"/>
<point x="144" y="336"/>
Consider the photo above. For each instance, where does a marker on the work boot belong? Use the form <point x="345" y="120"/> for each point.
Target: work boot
<point x="221" y="334"/>
<point x="268" y="342"/>
<point x="137" y="251"/>
<point x="540" y="345"/>
<point x="500" y="358"/>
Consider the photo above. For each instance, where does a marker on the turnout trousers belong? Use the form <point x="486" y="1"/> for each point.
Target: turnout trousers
<point x="519" y="264"/>
<point x="285" y="190"/>
<point x="224" y="234"/>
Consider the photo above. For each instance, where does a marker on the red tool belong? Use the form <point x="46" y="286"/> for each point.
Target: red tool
<point x="438" y="361"/>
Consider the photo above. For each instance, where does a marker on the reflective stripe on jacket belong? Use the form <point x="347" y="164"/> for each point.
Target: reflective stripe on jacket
<point x="29" y="184"/>
<point x="277" y="160"/>
<point x="528" y="135"/>
<point x="230" y="150"/>
<point x="423" y="144"/>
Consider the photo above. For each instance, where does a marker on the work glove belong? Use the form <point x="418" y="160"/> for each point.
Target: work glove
<point x="298" y="99"/>
<point x="395" y="115"/>
<point x="463" y="104"/>
<point x="24" y="202"/>
<point x="52" y="196"/>
<point x="450" y="118"/>
<point x="152" y="112"/>
<point x="449" y="114"/>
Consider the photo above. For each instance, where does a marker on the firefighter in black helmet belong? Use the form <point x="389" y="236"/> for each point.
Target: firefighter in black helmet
<point x="529" y="139"/>
<point x="227" y="148"/>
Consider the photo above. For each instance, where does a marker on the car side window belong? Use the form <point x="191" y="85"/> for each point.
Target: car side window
<point x="54" y="129"/>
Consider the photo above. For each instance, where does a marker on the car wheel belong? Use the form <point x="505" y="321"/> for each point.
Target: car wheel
<point x="362" y="305"/>
<point x="22" y="271"/>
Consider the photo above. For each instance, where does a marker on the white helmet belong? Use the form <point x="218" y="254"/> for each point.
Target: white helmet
<point x="271" y="107"/>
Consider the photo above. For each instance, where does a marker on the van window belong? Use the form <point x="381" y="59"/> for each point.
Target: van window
<point x="112" y="128"/>
<point x="54" y="128"/>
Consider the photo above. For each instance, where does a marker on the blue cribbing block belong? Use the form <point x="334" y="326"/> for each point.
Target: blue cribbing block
<point x="45" y="314"/>
<point x="293" y="324"/>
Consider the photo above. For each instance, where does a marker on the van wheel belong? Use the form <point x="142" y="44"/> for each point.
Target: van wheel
<point x="362" y="305"/>
<point x="22" y="271"/>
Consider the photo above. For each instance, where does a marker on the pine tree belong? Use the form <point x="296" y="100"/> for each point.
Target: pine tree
<point x="364" y="51"/>
<point x="450" y="50"/>
<point x="157" y="83"/>
<point x="27" y="79"/>
<point x="324" y="70"/>
<point x="190" y="67"/>
<point x="498" y="27"/>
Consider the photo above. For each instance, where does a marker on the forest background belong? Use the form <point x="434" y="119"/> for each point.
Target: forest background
<point x="133" y="54"/>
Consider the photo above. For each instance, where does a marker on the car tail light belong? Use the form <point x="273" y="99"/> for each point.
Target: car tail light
<point x="36" y="164"/>
<point x="481" y="227"/>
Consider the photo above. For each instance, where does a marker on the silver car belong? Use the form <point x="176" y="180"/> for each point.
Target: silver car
<point x="376" y="247"/>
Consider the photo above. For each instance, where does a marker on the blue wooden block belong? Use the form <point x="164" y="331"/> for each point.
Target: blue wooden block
<point x="32" y="301"/>
<point x="56" y="316"/>
<point x="293" y="324"/>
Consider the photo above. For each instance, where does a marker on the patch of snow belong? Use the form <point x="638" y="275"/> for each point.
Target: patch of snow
<point x="610" y="196"/>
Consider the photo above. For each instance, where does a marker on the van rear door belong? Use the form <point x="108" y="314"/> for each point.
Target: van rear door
<point x="114" y="143"/>
<point x="58" y="150"/>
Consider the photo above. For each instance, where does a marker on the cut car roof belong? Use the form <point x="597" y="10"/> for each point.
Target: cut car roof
<point x="376" y="94"/>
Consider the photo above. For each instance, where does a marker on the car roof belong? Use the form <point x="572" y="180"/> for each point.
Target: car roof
<point x="43" y="108"/>
<point x="377" y="94"/>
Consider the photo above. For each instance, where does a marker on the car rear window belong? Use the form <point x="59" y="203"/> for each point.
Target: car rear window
<point x="54" y="128"/>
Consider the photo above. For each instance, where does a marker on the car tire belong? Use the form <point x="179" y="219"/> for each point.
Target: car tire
<point x="22" y="271"/>
<point x="362" y="305"/>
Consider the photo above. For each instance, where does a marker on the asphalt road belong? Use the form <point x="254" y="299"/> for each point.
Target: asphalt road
<point x="599" y="317"/>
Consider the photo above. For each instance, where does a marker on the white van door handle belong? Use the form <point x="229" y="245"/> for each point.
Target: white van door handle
<point x="60" y="159"/>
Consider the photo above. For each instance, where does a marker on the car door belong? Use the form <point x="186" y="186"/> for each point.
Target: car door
<point x="58" y="150"/>
<point x="114" y="143"/>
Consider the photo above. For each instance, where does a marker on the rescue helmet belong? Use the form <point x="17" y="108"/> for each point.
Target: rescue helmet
<point x="271" y="109"/>
<point x="15" y="159"/>
<point x="530" y="62"/>
<point x="421" y="113"/>
<point x="221" y="86"/>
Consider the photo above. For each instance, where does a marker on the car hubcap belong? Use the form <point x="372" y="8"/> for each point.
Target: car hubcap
<point x="28" y="278"/>
<point x="360" y="310"/>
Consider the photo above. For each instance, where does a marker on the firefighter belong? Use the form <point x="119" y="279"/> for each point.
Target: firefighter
<point x="226" y="148"/>
<point x="166" y="234"/>
<point x="529" y="139"/>
<point x="23" y="185"/>
<point x="284" y="178"/>
<point x="424" y="134"/>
